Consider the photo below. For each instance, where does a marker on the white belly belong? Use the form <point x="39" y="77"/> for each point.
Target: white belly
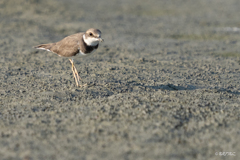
<point x="80" y="53"/>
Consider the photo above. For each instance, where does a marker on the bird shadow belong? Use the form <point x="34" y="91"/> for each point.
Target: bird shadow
<point x="172" y="87"/>
<point x="133" y="86"/>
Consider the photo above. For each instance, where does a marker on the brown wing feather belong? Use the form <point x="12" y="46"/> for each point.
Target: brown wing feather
<point x="45" y="46"/>
<point x="68" y="46"/>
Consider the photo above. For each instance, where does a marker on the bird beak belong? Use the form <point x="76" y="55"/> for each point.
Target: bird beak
<point x="100" y="39"/>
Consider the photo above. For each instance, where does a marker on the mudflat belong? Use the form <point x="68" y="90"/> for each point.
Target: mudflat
<point x="163" y="85"/>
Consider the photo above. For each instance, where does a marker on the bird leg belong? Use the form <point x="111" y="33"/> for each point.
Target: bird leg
<point x="75" y="74"/>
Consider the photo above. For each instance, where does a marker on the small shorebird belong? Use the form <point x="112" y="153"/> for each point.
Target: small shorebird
<point x="76" y="44"/>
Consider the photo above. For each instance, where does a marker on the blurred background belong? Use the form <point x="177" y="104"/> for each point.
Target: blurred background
<point x="122" y="22"/>
<point x="163" y="85"/>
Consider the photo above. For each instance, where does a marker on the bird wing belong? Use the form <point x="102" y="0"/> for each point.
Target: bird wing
<point x="67" y="47"/>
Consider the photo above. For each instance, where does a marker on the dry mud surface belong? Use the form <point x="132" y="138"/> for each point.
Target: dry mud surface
<point x="163" y="85"/>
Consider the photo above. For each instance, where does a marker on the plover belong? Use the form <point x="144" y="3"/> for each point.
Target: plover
<point x="83" y="43"/>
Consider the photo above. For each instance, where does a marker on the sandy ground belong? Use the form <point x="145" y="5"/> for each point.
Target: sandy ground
<point x="163" y="85"/>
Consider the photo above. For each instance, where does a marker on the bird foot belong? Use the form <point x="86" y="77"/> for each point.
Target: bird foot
<point x="75" y="74"/>
<point x="84" y="85"/>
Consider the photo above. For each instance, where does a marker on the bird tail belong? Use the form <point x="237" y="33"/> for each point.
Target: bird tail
<point x="46" y="47"/>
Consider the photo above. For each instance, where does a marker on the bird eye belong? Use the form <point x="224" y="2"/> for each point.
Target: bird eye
<point x="90" y="34"/>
